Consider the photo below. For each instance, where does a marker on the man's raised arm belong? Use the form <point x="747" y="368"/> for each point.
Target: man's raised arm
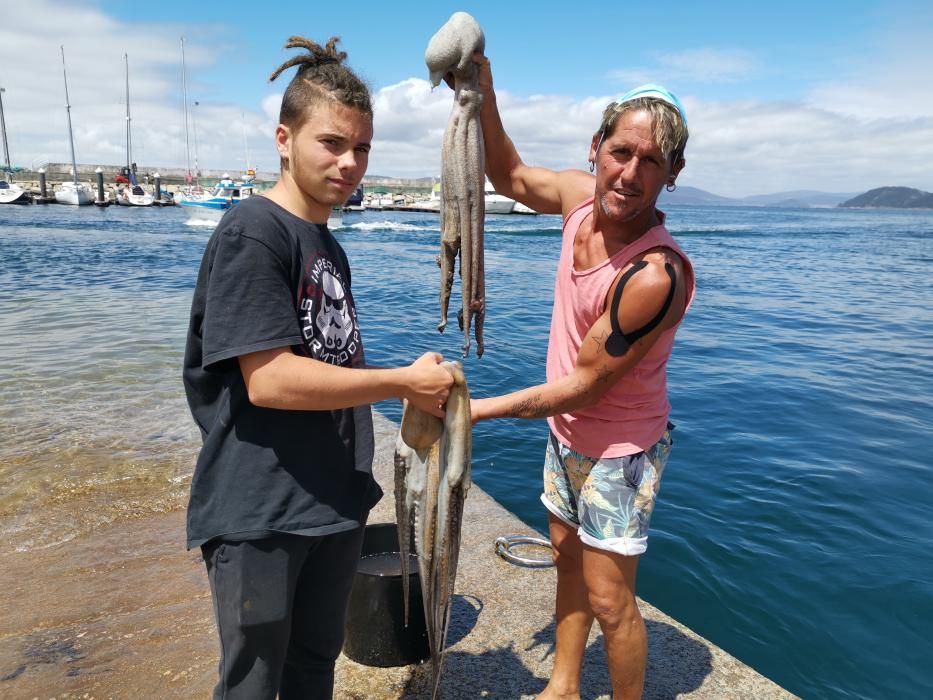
<point x="545" y="191"/>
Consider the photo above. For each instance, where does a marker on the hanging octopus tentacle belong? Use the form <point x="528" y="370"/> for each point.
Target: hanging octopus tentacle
<point x="463" y="179"/>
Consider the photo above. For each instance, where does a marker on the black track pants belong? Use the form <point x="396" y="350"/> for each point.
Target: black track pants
<point x="280" y="605"/>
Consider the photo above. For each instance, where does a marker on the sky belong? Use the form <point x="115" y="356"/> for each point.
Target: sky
<point x="828" y="96"/>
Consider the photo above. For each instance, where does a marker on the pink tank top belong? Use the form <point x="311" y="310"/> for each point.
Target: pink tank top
<point x="632" y="415"/>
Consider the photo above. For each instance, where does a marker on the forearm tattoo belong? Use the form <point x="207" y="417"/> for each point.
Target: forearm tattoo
<point x="532" y="407"/>
<point x="603" y="374"/>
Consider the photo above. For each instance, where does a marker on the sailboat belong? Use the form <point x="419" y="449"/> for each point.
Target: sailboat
<point x="10" y="193"/>
<point x="132" y="194"/>
<point x="74" y="192"/>
<point x="192" y="190"/>
<point x="226" y="194"/>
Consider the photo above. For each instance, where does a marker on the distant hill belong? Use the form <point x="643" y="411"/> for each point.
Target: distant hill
<point x="892" y="198"/>
<point x="695" y="196"/>
<point x="797" y="199"/>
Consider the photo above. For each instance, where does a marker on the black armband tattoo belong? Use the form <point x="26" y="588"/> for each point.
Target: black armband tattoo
<point x="619" y="342"/>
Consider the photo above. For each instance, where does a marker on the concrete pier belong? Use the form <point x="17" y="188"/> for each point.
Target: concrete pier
<point x="77" y="625"/>
<point x="502" y="628"/>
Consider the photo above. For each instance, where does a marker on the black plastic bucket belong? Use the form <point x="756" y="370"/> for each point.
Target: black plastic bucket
<point x="375" y="633"/>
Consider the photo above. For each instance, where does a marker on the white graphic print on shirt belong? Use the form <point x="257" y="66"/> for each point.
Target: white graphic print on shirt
<point x="328" y="317"/>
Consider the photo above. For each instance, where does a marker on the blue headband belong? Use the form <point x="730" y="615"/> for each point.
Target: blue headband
<point x="658" y="92"/>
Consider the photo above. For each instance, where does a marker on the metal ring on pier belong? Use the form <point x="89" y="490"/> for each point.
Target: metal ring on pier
<point x="506" y="542"/>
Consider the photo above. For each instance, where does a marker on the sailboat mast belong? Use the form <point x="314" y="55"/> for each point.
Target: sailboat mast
<point x="245" y="141"/>
<point x="129" y="138"/>
<point x="194" y="123"/>
<point x="184" y="90"/>
<point x="71" y="138"/>
<point x="6" y="148"/>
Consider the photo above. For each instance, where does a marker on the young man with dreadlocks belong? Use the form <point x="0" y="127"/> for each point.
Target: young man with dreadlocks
<point x="622" y="288"/>
<point x="276" y="380"/>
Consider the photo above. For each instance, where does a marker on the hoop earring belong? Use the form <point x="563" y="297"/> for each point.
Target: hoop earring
<point x="592" y="165"/>
<point x="671" y="186"/>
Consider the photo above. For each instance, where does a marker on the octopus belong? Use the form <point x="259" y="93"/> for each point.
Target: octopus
<point x="432" y="477"/>
<point x="450" y="51"/>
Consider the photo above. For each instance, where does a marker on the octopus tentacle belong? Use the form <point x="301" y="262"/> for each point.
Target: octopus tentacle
<point x="450" y="220"/>
<point x="462" y="173"/>
<point x="465" y="201"/>
<point x="432" y="478"/>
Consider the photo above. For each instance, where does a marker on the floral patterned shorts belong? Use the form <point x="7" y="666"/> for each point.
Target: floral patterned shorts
<point x="608" y="500"/>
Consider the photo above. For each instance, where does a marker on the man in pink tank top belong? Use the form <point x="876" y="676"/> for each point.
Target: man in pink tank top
<point x="622" y="288"/>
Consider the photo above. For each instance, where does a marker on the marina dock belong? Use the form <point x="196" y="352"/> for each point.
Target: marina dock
<point x="381" y="193"/>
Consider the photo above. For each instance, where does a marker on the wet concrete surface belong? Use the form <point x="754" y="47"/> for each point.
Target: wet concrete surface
<point x="126" y="613"/>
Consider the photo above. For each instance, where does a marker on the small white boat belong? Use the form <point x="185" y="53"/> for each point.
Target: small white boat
<point x="432" y="203"/>
<point x="192" y="192"/>
<point x="11" y="193"/>
<point x="227" y="194"/>
<point x="497" y="203"/>
<point x="132" y="195"/>
<point x="523" y="209"/>
<point x="74" y="193"/>
<point x="335" y="220"/>
<point x="379" y="201"/>
<point x="494" y="203"/>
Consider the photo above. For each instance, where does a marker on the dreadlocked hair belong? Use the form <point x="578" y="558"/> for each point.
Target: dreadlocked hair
<point x="321" y="77"/>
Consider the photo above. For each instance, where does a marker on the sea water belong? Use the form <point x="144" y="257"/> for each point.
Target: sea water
<point x="794" y="522"/>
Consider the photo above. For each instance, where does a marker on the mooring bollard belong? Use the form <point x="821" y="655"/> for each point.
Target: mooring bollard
<point x="43" y="197"/>
<point x="101" y="201"/>
<point x="157" y="192"/>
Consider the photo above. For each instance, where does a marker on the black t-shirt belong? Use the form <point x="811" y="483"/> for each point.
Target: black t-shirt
<point x="270" y="279"/>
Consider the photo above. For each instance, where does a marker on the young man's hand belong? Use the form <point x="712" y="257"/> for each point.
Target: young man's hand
<point x="428" y="384"/>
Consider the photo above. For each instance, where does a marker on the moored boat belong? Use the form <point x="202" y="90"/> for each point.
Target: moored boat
<point x="11" y="193"/>
<point x="228" y="193"/>
<point x="494" y="203"/>
<point x="355" y="203"/>
<point x="132" y="194"/>
<point x="497" y="203"/>
<point x="431" y="204"/>
<point x="74" y="192"/>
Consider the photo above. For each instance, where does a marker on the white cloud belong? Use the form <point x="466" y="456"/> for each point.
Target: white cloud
<point x="848" y="135"/>
<point x="736" y="148"/>
<point x="745" y="148"/>
<point x="34" y="101"/>
<point x="410" y="121"/>
<point x="704" y="65"/>
<point x="890" y="80"/>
